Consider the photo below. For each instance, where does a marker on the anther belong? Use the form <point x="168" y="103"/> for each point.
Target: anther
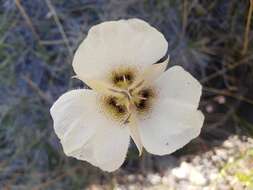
<point x="142" y="98"/>
<point x="124" y="78"/>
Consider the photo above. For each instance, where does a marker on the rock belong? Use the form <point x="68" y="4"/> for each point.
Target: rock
<point x="213" y="176"/>
<point x="132" y="187"/>
<point x="165" y="181"/>
<point x="196" y="172"/>
<point x="154" y="179"/>
<point x="197" y="178"/>
<point x="131" y="178"/>
<point x="181" y="172"/>
<point x="228" y="144"/>
<point x="169" y="181"/>
<point x="216" y="158"/>
<point x="221" y="153"/>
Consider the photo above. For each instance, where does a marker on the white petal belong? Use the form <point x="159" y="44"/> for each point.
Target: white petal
<point x="110" y="44"/>
<point x="150" y="74"/>
<point x="134" y="132"/>
<point x="86" y="133"/>
<point x="178" y="85"/>
<point x="85" y="153"/>
<point x="107" y="149"/>
<point x="111" y="147"/>
<point x="170" y="126"/>
<point x="76" y="116"/>
<point x="174" y="119"/>
<point x="71" y="108"/>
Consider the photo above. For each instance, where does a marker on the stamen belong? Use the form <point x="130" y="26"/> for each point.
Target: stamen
<point x="136" y="86"/>
<point x="146" y="93"/>
<point x="124" y="78"/>
<point x="142" y="98"/>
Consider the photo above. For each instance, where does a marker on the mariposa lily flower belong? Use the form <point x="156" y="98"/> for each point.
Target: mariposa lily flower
<point x="130" y="96"/>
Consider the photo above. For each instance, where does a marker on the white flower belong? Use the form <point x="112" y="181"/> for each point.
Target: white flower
<point x="130" y="97"/>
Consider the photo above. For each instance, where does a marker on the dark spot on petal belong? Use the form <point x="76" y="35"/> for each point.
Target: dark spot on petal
<point x="141" y="105"/>
<point x="129" y="76"/>
<point x="145" y="93"/>
<point x="123" y="77"/>
<point x="112" y="101"/>
<point x="117" y="78"/>
<point x="121" y="109"/>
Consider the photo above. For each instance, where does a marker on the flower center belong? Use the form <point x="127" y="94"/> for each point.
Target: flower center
<point x="134" y="97"/>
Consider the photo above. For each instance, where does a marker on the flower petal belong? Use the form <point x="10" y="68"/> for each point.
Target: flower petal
<point x="76" y="117"/>
<point x="111" y="144"/>
<point x="150" y="74"/>
<point x="70" y="109"/>
<point x="153" y="71"/>
<point x="177" y="84"/>
<point x="134" y="132"/>
<point x="86" y="133"/>
<point x="107" y="149"/>
<point x="110" y="44"/>
<point x="170" y="126"/>
<point x="174" y="119"/>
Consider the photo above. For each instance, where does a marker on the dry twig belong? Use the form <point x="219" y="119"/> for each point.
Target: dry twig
<point x="60" y="27"/>
<point x="27" y="19"/>
<point x="227" y="93"/>
<point x="245" y="60"/>
<point x="35" y="87"/>
<point x="247" y="29"/>
<point x="185" y="16"/>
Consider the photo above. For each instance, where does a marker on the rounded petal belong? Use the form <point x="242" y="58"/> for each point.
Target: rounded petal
<point x="170" y="126"/>
<point x="178" y="85"/>
<point x="70" y="109"/>
<point x="110" y="44"/>
<point x="107" y="149"/>
<point x="174" y="119"/>
<point x="76" y="117"/>
<point x="86" y="133"/>
<point x="111" y="147"/>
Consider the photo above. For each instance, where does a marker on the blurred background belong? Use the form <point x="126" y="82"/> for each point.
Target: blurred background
<point x="212" y="39"/>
